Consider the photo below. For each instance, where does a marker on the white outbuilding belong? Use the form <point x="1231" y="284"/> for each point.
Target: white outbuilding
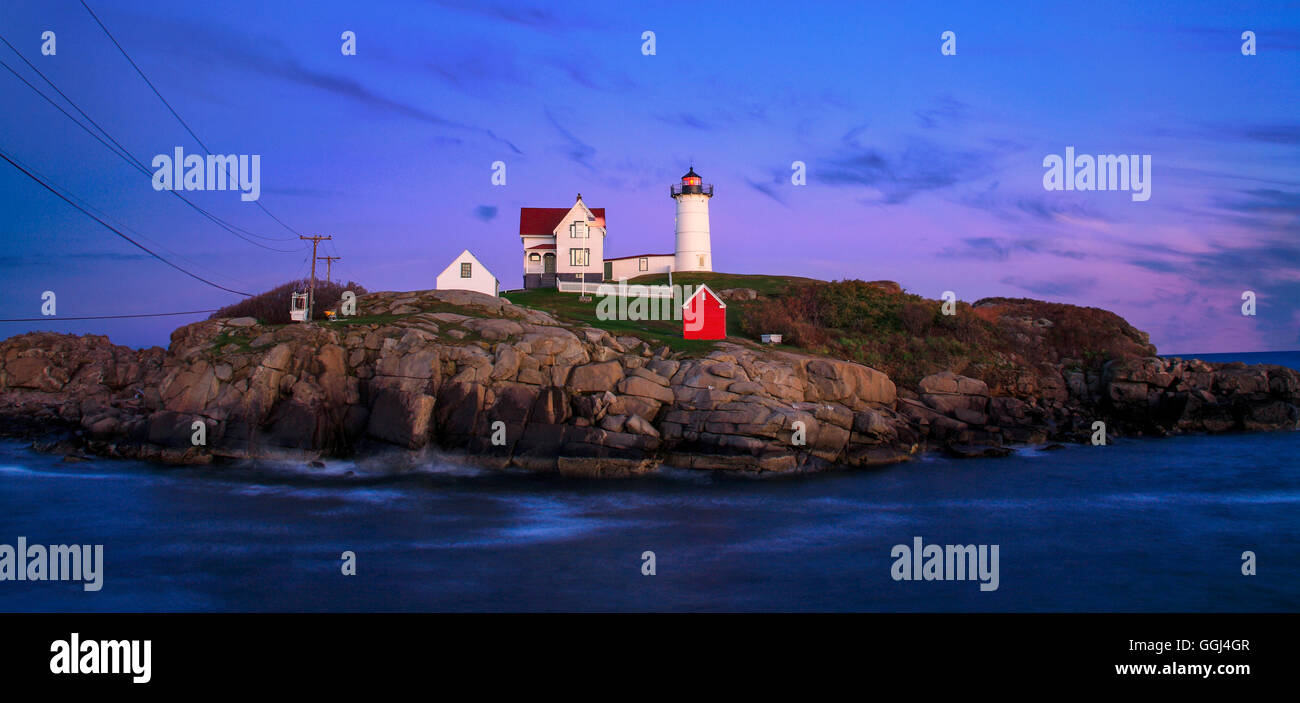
<point x="468" y="273"/>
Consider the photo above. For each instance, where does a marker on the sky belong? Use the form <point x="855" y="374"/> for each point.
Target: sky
<point x="921" y="167"/>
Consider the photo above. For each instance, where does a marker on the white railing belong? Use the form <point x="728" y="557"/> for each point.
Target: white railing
<point x="583" y="287"/>
<point x="620" y="289"/>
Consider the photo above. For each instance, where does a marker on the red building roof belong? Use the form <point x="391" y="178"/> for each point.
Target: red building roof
<point x="542" y="246"/>
<point x="544" y="220"/>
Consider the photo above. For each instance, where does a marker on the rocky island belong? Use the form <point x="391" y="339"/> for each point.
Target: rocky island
<point x="510" y="385"/>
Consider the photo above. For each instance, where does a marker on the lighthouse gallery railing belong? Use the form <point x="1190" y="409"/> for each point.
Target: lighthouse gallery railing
<point x="679" y="189"/>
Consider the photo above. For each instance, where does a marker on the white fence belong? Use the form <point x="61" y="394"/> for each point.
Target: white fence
<point x="621" y="289"/>
<point x="583" y="287"/>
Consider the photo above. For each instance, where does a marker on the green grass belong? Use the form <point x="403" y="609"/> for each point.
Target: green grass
<point x="366" y="320"/>
<point x="225" y="338"/>
<point x="566" y="306"/>
<point x="765" y="285"/>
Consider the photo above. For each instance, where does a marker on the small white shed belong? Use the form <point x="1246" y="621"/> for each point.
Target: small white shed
<point x="468" y="273"/>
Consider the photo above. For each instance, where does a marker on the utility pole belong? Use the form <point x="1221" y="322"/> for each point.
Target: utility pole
<point x="311" y="294"/>
<point x="329" y="265"/>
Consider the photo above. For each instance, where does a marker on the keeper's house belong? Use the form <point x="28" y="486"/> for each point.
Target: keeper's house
<point x="562" y="244"/>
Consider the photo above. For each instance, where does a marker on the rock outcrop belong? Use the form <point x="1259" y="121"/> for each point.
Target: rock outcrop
<point x="512" y="386"/>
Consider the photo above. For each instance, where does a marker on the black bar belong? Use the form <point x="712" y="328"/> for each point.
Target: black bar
<point x="991" y="653"/>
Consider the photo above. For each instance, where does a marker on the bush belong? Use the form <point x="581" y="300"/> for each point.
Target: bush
<point x="855" y="305"/>
<point x="786" y="317"/>
<point x="918" y="318"/>
<point x="903" y="335"/>
<point x="272" y="307"/>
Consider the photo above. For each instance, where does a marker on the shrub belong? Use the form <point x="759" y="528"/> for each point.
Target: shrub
<point x="786" y="317"/>
<point x="272" y="307"/>
<point x="918" y="318"/>
<point x="855" y="305"/>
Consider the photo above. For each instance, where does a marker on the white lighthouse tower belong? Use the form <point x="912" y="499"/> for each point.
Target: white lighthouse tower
<point x="694" y="253"/>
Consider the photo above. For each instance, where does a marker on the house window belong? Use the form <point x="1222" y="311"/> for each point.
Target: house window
<point x="579" y="257"/>
<point x="465" y="270"/>
<point x="534" y="257"/>
<point x="578" y="230"/>
<point x="643" y="264"/>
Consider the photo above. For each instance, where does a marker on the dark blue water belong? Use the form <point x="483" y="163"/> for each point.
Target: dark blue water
<point x="1142" y="525"/>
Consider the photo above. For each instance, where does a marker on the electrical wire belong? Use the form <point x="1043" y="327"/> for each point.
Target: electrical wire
<point x="122" y="153"/>
<point x="4" y="155"/>
<point x="56" y="318"/>
<point x="170" y="108"/>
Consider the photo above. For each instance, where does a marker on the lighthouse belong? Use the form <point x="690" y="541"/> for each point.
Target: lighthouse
<point x="694" y="253"/>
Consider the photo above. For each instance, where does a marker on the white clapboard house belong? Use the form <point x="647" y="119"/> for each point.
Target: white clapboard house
<point x="468" y="273"/>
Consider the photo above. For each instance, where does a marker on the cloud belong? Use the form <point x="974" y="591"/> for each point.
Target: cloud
<point x="1159" y="265"/>
<point x="269" y="56"/>
<point x="485" y="212"/>
<point x="1059" y="286"/>
<point x="21" y="263"/>
<point x="1060" y="208"/>
<point x="1263" y="213"/>
<point x="766" y="189"/>
<point x="577" y="150"/>
<point x="947" y="112"/>
<point x="1220" y="39"/>
<point x="589" y="73"/>
<point x="293" y="71"/>
<point x="1264" y="201"/>
<point x="918" y="167"/>
<point x="998" y="249"/>
<point x="1270" y="134"/>
<point x="512" y="13"/>
<point x="1222" y="270"/>
<point x="462" y="67"/>
<point x="303" y="192"/>
<point x="683" y="119"/>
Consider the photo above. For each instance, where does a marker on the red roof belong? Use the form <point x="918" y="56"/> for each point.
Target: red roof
<point x="543" y="246"/>
<point x="544" y="220"/>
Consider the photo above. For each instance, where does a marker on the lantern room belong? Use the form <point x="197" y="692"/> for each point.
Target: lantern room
<point x="692" y="184"/>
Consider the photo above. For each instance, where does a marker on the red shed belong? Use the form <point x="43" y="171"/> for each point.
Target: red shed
<point x="704" y="316"/>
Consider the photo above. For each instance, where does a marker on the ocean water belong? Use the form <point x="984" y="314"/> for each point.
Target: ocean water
<point x="1141" y="525"/>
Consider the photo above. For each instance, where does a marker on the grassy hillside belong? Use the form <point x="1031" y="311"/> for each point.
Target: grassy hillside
<point x="765" y="285"/>
<point x="667" y="332"/>
<point x="567" y="307"/>
<point x="880" y="325"/>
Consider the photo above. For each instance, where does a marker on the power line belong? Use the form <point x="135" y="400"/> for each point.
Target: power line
<point x="125" y="155"/>
<point x="113" y="229"/>
<point x="171" y="109"/>
<point x="105" y="217"/>
<point x="139" y="164"/>
<point x="56" y="318"/>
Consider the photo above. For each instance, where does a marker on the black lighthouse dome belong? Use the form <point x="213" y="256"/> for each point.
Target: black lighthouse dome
<point x="692" y="184"/>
